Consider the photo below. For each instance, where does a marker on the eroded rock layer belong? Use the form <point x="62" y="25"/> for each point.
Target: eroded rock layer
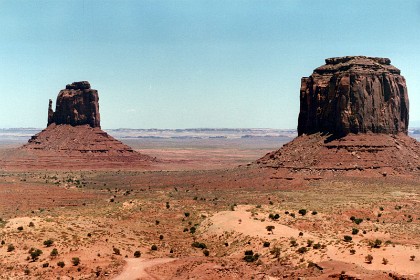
<point x="354" y="94"/>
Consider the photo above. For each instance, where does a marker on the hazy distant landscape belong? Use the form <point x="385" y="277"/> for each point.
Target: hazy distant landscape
<point x="145" y="138"/>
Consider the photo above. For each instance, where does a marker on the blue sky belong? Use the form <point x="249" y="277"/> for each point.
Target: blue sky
<point x="184" y="64"/>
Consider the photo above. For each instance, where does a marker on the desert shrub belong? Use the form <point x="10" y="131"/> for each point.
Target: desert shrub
<point x="275" y="251"/>
<point x="358" y="221"/>
<point x="3" y="242"/>
<point x="45" y="264"/>
<point x="199" y="245"/>
<point x="309" y="243"/>
<point x="20" y="228"/>
<point x="375" y="244"/>
<point x="54" y="252"/>
<point x="206" y="253"/>
<point x="187" y="214"/>
<point x="314" y="212"/>
<point x="157" y="222"/>
<point x="292" y="215"/>
<point x="317" y="246"/>
<point x="354" y="231"/>
<point x="154" y="247"/>
<point x="192" y="230"/>
<point x="250" y="256"/>
<point x="384" y="261"/>
<point x="381" y="208"/>
<point x="352" y="251"/>
<point x="10" y="248"/>
<point x="75" y="261"/>
<point x="274" y="216"/>
<point x="270" y="228"/>
<point x="31" y="224"/>
<point x="300" y="233"/>
<point x="249" y="253"/>
<point x="412" y="258"/>
<point x="61" y="264"/>
<point x="286" y="212"/>
<point x="347" y="238"/>
<point x="293" y="242"/>
<point x="186" y="229"/>
<point x="161" y="237"/>
<point x="369" y="258"/>
<point x="266" y="244"/>
<point x="35" y="253"/>
<point x="302" y="212"/>
<point x="302" y="250"/>
<point x="116" y="251"/>
<point x="167" y="205"/>
<point x="48" y="242"/>
<point x="137" y="254"/>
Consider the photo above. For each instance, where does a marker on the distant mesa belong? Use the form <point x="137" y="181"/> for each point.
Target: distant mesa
<point x="73" y="137"/>
<point x="353" y="117"/>
<point x="354" y="94"/>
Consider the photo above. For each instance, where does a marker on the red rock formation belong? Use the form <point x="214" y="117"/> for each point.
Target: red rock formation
<point x="353" y="118"/>
<point x="354" y="94"/>
<point x="78" y="104"/>
<point x="74" y="139"/>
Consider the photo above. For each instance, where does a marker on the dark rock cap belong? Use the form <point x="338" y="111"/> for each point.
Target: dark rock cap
<point x="354" y="94"/>
<point x="78" y="104"/>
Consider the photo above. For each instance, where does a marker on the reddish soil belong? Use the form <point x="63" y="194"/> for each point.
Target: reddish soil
<point x="105" y="214"/>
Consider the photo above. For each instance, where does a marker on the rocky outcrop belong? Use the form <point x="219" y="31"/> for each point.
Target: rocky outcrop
<point x="78" y="104"/>
<point x="354" y="94"/>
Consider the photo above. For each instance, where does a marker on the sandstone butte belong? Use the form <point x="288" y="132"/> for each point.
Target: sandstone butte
<point x="354" y="114"/>
<point x="73" y="137"/>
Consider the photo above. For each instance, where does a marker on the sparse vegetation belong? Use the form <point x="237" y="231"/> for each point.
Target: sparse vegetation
<point x="270" y="228"/>
<point x="75" y="261"/>
<point x="48" y="242"/>
<point x="199" y="245"/>
<point x="10" y="248"/>
<point x="347" y="238"/>
<point x="369" y="258"/>
<point x="35" y="253"/>
<point x="250" y="256"/>
<point x="302" y="212"/>
<point x="54" y="252"/>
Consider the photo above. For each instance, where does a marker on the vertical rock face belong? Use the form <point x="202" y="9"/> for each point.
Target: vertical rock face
<point x="78" y="104"/>
<point x="354" y="94"/>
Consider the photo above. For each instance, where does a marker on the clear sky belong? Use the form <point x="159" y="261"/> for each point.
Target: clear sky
<point x="191" y="64"/>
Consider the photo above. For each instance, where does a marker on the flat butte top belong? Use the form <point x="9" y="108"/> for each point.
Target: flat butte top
<point x="357" y="64"/>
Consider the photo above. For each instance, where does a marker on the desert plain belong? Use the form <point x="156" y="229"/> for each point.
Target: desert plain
<point x="205" y="210"/>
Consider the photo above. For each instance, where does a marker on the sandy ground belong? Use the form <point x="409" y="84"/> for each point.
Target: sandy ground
<point x="136" y="268"/>
<point x="203" y="215"/>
